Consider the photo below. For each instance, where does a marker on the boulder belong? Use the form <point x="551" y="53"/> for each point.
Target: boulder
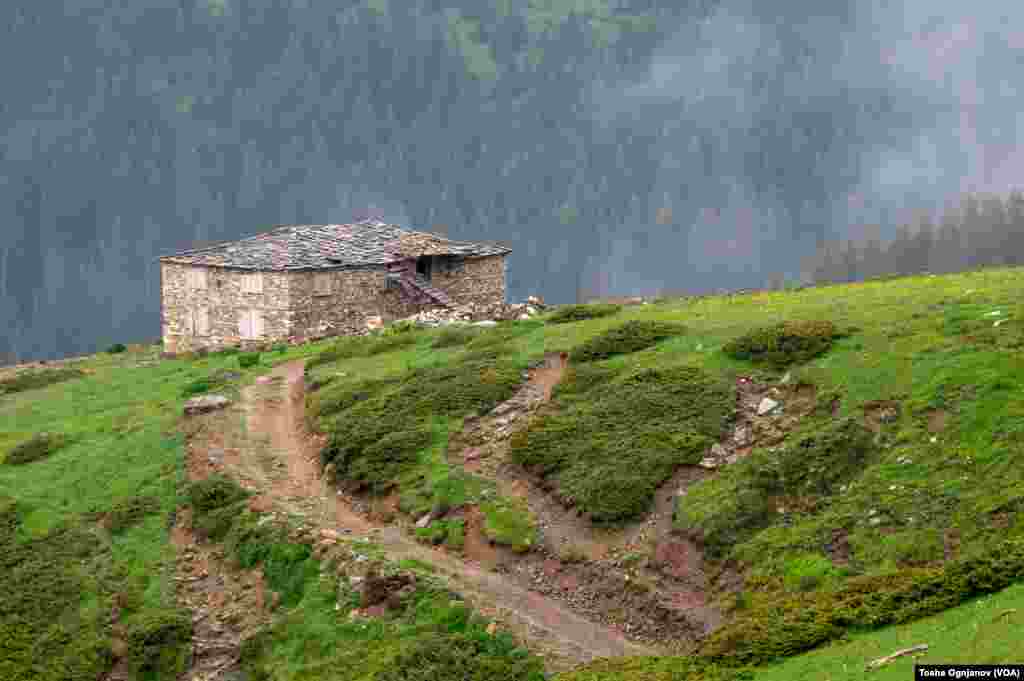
<point x="766" y="406"/>
<point x="205" y="403"/>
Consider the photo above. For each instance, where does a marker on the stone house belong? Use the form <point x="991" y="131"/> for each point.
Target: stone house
<point x="297" y="282"/>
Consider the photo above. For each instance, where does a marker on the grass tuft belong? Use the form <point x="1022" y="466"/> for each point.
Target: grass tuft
<point x="784" y="344"/>
<point x="632" y="336"/>
<point x="579" y="313"/>
<point x="36" y="448"/>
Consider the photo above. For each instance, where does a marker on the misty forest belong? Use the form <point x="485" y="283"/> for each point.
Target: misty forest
<point x="619" y="147"/>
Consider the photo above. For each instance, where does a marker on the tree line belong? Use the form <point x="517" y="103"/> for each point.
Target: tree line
<point x="981" y="231"/>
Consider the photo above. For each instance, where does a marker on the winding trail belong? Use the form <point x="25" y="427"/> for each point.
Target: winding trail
<point x="278" y="457"/>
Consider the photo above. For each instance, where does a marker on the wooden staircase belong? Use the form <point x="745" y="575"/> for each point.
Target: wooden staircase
<point x="415" y="287"/>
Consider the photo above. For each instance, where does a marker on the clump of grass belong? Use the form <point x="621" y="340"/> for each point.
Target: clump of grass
<point x="159" y="644"/>
<point x="632" y="336"/>
<point x="579" y="313"/>
<point x="608" y="448"/>
<point x="509" y="523"/>
<point x="38" y="378"/>
<point x="450" y="532"/>
<point x="116" y="348"/>
<point x="248" y="360"/>
<point x="376" y="428"/>
<point x="452" y="336"/>
<point x="464" y="655"/>
<point x="785" y="343"/>
<point x="226" y="352"/>
<point x="130" y="512"/>
<point x="36" y="448"/>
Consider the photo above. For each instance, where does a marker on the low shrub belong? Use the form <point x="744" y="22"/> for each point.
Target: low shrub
<point x="733" y="506"/>
<point x="780" y="626"/>
<point x="39" y="446"/>
<point x="463" y="655"/>
<point x="197" y="387"/>
<point x="226" y="352"/>
<point x="510" y="524"/>
<point x="130" y="512"/>
<point x="248" y="360"/>
<point x="216" y="491"/>
<point x="279" y="348"/>
<point x="579" y="313"/>
<point x="376" y="428"/>
<point x="632" y="336"/>
<point x="159" y="645"/>
<point x="785" y="343"/>
<point x="452" y="336"/>
<point x="390" y="342"/>
<point x="116" y="348"/>
<point x="608" y="448"/>
<point x="452" y="533"/>
<point x="38" y="378"/>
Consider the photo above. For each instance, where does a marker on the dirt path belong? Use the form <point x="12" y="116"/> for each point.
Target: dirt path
<point x="262" y="442"/>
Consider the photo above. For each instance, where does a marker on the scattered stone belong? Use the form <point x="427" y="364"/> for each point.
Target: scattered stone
<point x="486" y="322"/>
<point x="786" y="379"/>
<point x="424" y="521"/>
<point x="492" y="628"/>
<point x="742" y="435"/>
<point x="718" y="451"/>
<point x="709" y="464"/>
<point x="374" y="323"/>
<point x="766" y="406"/>
<point x="205" y="403"/>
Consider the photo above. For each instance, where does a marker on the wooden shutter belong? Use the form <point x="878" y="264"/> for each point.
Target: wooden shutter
<point x="197" y="278"/>
<point x="257" y="323"/>
<point x="245" y="323"/>
<point x="202" y="323"/>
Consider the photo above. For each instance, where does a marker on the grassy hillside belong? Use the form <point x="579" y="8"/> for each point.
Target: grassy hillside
<point x="896" y="496"/>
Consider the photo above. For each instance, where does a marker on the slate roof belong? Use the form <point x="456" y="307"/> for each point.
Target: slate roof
<point x="305" y="247"/>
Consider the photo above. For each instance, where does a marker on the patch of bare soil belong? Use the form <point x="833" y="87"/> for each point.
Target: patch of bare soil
<point x="937" y="419"/>
<point x="262" y="443"/>
<point x="879" y="413"/>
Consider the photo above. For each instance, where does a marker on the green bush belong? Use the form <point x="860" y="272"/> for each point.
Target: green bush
<point x="785" y="343"/>
<point x="159" y="645"/>
<point x="464" y="655"/>
<point x="376" y="429"/>
<point x="197" y="387"/>
<point x="226" y="352"/>
<point x="780" y="626"/>
<point x="730" y="508"/>
<point x="216" y="491"/>
<point x="608" y="449"/>
<point x="578" y="313"/>
<point x="248" y="359"/>
<point x="280" y="348"/>
<point x="452" y="336"/>
<point x="38" y="378"/>
<point x="39" y="446"/>
<point x="632" y="336"/>
<point x="130" y="512"/>
<point x="116" y="348"/>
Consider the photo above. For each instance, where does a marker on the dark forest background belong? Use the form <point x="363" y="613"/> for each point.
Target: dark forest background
<point x="621" y="147"/>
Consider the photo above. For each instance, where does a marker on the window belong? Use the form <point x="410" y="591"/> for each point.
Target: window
<point x="322" y="284"/>
<point x="252" y="283"/>
<point x="196" y="279"/>
<point x="250" y="323"/>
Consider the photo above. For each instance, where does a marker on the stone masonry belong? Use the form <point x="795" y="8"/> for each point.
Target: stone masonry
<point x="209" y="316"/>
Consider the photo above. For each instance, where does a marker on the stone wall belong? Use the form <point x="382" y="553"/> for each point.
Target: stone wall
<point x="352" y="299"/>
<point x="224" y="300"/>
<point x="291" y="308"/>
<point x="477" y="281"/>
